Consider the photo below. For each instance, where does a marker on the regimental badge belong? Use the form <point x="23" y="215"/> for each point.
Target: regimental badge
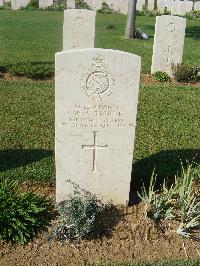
<point x="98" y="82"/>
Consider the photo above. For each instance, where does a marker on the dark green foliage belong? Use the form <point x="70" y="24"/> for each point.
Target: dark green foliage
<point x="193" y="15"/>
<point x="21" y="214"/>
<point x="166" y="12"/>
<point x="34" y="3"/>
<point x="185" y="73"/>
<point x="106" y="9"/>
<point x="161" y="76"/>
<point x="79" y="215"/>
<point x="148" y="13"/>
<point x="59" y="5"/>
<point x="81" y="4"/>
<point x="34" y="71"/>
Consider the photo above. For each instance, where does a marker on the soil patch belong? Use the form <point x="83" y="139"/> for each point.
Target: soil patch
<point x="132" y="238"/>
<point x="149" y="80"/>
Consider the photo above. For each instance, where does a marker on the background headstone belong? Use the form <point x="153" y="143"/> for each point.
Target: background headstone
<point x="71" y="4"/>
<point x="96" y="107"/>
<point x="181" y="7"/>
<point x="168" y="43"/>
<point x="197" y="6"/>
<point x="24" y="3"/>
<point x="78" y="29"/>
<point x="1" y="2"/>
<point x="15" y="4"/>
<point x="140" y="4"/>
<point x="45" y="3"/>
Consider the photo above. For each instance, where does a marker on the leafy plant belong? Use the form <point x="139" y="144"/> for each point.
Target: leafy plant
<point x="185" y="73"/>
<point x="157" y="206"/>
<point x="162" y="76"/>
<point x="21" y="214"/>
<point x="34" y="3"/>
<point x="187" y="205"/>
<point x="193" y="15"/>
<point x="59" y="5"/>
<point x="34" y="71"/>
<point x="79" y="215"/>
<point x="81" y="4"/>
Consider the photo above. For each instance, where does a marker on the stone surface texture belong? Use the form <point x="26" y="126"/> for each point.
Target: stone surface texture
<point x="45" y="3"/>
<point x="140" y="4"/>
<point x="168" y="43"/>
<point x="15" y="4"/>
<point x="78" y="29"/>
<point x="96" y="107"/>
<point x="71" y="4"/>
<point x="181" y="7"/>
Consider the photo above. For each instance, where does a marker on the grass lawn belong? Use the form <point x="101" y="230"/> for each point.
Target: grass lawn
<point x="167" y="129"/>
<point x="30" y="36"/>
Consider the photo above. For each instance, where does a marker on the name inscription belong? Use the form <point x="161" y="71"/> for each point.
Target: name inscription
<point x="96" y="116"/>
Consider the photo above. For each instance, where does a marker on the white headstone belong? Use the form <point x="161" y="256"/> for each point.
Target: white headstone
<point x="181" y="7"/>
<point x="197" y="6"/>
<point x="45" y="3"/>
<point x="168" y="43"/>
<point x="140" y="4"/>
<point x="71" y="4"/>
<point x="151" y="5"/>
<point x="1" y="2"/>
<point x="96" y="107"/>
<point x="15" y="4"/>
<point x="78" y="29"/>
<point x="161" y="5"/>
<point x="24" y="3"/>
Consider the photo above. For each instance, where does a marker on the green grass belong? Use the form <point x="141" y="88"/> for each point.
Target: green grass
<point x="35" y="36"/>
<point x="167" y="129"/>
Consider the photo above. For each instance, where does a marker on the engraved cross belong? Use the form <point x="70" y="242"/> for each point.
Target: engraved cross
<point x="95" y="147"/>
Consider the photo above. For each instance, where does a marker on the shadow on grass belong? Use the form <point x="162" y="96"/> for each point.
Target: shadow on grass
<point x="10" y="159"/>
<point x="166" y="164"/>
<point x="193" y="32"/>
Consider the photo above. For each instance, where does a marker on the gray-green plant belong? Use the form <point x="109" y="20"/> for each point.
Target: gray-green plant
<point x="157" y="206"/>
<point x="78" y="215"/>
<point x="177" y="202"/>
<point x="188" y="207"/>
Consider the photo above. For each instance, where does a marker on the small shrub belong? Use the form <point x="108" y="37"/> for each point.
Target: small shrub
<point x="21" y="214"/>
<point x="193" y="15"/>
<point x="185" y="73"/>
<point x="177" y="202"/>
<point x="79" y="215"/>
<point x="162" y="76"/>
<point x="34" y="71"/>
<point x="106" y="9"/>
<point x="81" y="4"/>
<point x="59" y="5"/>
<point x="157" y="206"/>
<point x="34" y="3"/>
<point x="166" y="12"/>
